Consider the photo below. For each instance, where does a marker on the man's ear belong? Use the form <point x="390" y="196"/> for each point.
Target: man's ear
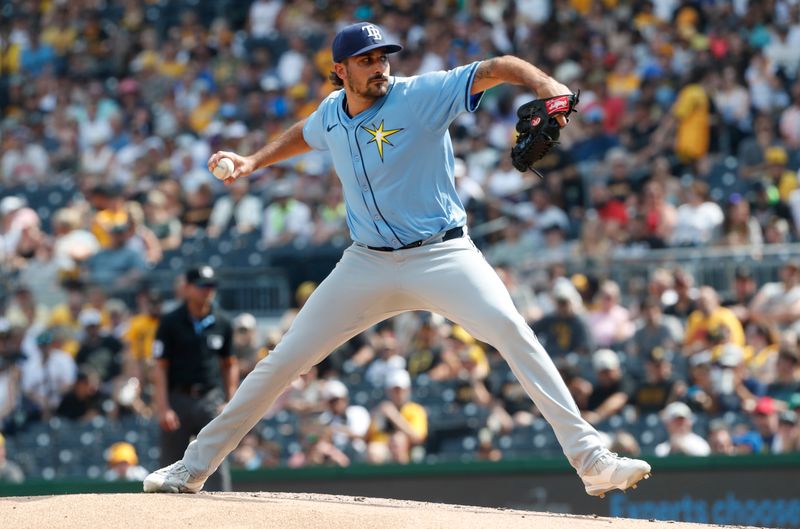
<point x="340" y="69"/>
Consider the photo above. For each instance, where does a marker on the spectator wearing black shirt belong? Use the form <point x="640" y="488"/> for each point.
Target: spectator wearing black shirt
<point x="636" y="132"/>
<point x="85" y="400"/>
<point x="196" y="371"/>
<point x="744" y="290"/>
<point x="658" y="387"/>
<point x="197" y="211"/>
<point x="685" y="303"/>
<point x="610" y="392"/>
<point x="787" y="376"/>
<point x="99" y="351"/>
<point x="426" y="349"/>
<point x="563" y="331"/>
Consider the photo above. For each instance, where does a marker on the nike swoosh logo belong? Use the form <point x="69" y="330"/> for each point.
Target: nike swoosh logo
<point x="332" y="126"/>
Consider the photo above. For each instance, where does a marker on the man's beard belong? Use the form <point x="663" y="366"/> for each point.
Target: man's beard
<point x="371" y="90"/>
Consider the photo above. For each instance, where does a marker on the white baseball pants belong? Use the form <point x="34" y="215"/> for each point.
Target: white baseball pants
<point x="367" y="286"/>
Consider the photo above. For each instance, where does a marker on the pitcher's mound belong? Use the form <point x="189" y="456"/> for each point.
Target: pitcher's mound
<point x="266" y="510"/>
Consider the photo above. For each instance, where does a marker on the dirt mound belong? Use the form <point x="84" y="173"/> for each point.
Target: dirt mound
<point x="266" y="510"/>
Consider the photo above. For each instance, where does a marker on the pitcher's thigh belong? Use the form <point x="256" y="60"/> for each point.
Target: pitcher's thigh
<point x="360" y="292"/>
<point x="464" y="288"/>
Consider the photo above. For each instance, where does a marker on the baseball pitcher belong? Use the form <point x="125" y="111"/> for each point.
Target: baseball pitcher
<point x="389" y="141"/>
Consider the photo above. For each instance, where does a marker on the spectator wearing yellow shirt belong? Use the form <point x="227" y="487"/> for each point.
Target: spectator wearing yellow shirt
<point x="703" y="325"/>
<point x="397" y="423"/>
<point x="65" y="316"/>
<point x="10" y="54"/>
<point x="60" y="34"/>
<point x="206" y="110"/>
<point x="691" y="110"/>
<point x="785" y="180"/>
<point x="109" y="203"/>
<point x="623" y="80"/>
<point x="763" y="344"/>
<point x="645" y="19"/>
<point x="141" y="333"/>
<point x="170" y="64"/>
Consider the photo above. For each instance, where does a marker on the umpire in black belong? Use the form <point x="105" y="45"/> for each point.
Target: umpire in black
<point x="196" y="372"/>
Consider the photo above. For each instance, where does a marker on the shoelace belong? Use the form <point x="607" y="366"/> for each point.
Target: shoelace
<point x="608" y="455"/>
<point x="177" y="468"/>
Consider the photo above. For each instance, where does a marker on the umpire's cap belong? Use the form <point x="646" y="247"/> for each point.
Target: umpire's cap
<point x="202" y="276"/>
<point x="359" y="38"/>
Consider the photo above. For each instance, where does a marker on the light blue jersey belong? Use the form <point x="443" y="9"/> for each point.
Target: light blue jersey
<point x="395" y="159"/>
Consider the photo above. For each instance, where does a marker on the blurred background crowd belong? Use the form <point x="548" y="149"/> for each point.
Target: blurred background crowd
<point x="686" y="147"/>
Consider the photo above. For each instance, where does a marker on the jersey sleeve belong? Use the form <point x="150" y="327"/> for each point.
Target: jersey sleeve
<point x="438" y="97"/>
<point x="314" y="128"/>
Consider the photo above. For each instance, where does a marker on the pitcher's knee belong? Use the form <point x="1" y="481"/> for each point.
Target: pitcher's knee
<point x="285" y="367"/>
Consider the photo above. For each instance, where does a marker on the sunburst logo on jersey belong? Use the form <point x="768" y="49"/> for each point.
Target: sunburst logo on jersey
<point x="380" y="136"/>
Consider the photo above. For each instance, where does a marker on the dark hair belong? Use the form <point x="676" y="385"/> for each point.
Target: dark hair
<point x="335" y="80"/>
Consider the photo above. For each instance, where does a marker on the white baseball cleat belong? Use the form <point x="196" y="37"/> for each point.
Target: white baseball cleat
<point x="611" y="472"/>
<point x="174" y="478"/>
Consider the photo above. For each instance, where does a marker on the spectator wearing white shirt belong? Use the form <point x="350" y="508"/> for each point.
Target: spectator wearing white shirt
<point x="467" y="188"/>
<point x="349" y="423"/>
<point x="480" y="159"/>
<point x="766" y="93"/>
<point x="506" y="181"/>
<point x="19" y="225"/>
<point x="733" y="104"/>
<point x="286" y="219"/>
<point x="540" y="213"/>
<point x="97" y="158"/>
<point x="779" y="302"/>
<point x="126" y="156"/>
<point x="238" y="211"/>
<point x="292" y="62"/>
<point x="781" y="54"/>
<point x="698" y="218"/>
<point x="263" y="18"/>
<point x="535" y="12"/>
<point x="23" y="161"/>
<point x="46" y="382"/>
<point x="93" y="124"/>
<point x="678" y="419"/>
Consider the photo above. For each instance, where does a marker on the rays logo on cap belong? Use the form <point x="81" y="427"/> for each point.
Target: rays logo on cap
<point x="373" y="32"/>
<point x="359" y="38"/>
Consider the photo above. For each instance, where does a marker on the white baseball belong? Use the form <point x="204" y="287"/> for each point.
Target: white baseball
<point x="223" y="169"/>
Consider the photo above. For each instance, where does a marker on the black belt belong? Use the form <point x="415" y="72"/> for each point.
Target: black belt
<point x="453" y="233"/>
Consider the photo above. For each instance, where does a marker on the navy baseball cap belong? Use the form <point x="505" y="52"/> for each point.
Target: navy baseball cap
<point x="359" y="38"/>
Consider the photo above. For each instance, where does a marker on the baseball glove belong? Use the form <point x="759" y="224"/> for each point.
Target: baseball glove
<point x="538" y="129"/>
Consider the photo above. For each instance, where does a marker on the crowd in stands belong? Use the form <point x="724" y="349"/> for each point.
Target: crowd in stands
<point x="688" y="135"/>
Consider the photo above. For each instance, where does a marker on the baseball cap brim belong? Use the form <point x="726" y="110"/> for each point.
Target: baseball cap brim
<point x="390" y="48"/>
